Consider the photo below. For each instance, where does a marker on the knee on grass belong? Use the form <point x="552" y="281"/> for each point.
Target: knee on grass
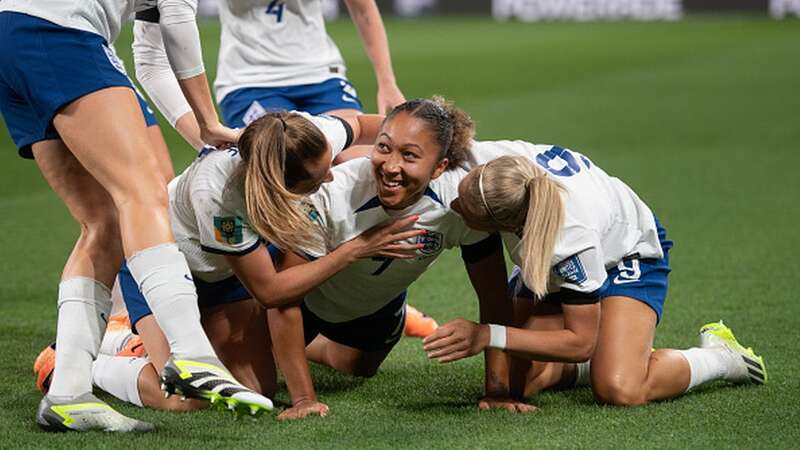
<point x="619" y="393"/>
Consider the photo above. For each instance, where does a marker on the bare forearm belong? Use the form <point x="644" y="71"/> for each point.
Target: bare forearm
<point x="197" y="93"/>
<point x="488" y="278"/>
<point x="367" y="17"/>
<point x="293" y="283"/>
<point x="560" y="345"/>
<point x="288" y="344"/>
<point x="496" y="373"/>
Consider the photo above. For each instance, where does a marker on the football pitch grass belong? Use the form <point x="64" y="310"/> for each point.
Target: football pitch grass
<point x="701" y="118"/>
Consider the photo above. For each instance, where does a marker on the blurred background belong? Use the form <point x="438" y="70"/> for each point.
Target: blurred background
<point x="695" y="104"/>
<point x="544" y="10"/>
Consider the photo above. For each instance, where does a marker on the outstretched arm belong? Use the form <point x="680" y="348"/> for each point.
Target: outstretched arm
<point x="368" y="20"/>
<point x="575" y="343"/>
<point x="181" y="39"/>
<point x="486" y="268"/>
<point x="274" y="289"/>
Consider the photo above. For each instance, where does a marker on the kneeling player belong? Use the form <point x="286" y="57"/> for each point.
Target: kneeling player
<point x="591" y="285"/>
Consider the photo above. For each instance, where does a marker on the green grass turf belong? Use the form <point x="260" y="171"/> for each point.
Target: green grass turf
<point x="701" y="118"/>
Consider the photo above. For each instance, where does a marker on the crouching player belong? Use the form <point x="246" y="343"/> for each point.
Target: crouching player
<point x="220" y="206"/>
<point x="352" y="321"/>
<point x="591" y="282"/>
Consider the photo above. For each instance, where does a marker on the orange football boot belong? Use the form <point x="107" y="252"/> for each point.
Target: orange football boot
<point x="418" y="324"/>
<point x="43" y="368"/>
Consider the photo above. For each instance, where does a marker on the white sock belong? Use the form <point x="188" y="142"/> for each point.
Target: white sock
<point x="164" y="278"/>
<point x="706" y="364"/>
<point x="582" y="371"/>
<point x="83" y="308"/>
<point x="117" y="302"/>
<point x="119" y="376"/>
<point x="114" y="341"/>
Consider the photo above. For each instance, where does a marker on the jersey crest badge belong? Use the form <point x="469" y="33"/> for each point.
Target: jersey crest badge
<point x="228" y="230"/>
<point x="431" y="241"/>
<point x="571" y="270"/>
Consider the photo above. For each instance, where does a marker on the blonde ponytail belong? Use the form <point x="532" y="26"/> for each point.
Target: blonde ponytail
<point x="545" y="216"/>
<point x="513" y="194"/>
<point x="273" y="149"/>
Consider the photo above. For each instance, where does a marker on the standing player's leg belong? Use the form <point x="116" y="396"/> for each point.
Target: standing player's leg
<point x="84" y="299"/>
<point x="239" y="335"/>
<point x="234" y="323"/>
<point x="136" y="185"/>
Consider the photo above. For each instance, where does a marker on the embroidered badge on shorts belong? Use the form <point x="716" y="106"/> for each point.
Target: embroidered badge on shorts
<point x="571" y="270"/>
<point x="228" y="230"/>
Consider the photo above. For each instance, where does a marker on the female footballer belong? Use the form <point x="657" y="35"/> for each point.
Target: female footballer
<point x="353" y="320"/>
<point x="591" y="283"/>
<point x="83" y="125"/>
<point x="221" y="206"/>
<point x="275" y="56"/>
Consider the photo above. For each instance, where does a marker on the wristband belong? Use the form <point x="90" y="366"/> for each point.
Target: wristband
<point x="497" y="336"/>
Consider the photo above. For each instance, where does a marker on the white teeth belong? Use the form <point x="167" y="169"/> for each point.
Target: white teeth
<point x="392" y="184"/>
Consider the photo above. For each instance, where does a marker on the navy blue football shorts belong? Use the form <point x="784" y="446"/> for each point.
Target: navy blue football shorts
<point x="643" y="279"/>
<point x="380" y="330"/>
<point x="245" y="105"/>
<point x="44" y="67"/>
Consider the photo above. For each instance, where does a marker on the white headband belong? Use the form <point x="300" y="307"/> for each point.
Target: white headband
<point x="483" y="196"/>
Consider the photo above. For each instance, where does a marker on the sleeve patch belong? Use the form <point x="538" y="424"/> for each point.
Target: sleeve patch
<point x="228" y="230"/>
<point x="571" y="270"/>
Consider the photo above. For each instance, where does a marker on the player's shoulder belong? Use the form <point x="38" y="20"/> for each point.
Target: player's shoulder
<point x="485" y="151"/>
<point x="444" y="189"/>
<point x="211" y="173"/>
<point x="353" y="184"/>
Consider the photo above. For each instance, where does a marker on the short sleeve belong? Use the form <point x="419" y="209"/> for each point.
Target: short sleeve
<point x="317" y="213"/>
<point x="222" y="230"/>
<point x="336" y="130"/>
<point x="582" y="272"/>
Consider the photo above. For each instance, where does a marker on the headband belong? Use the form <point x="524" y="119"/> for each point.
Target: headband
<point x="483" y="195"/>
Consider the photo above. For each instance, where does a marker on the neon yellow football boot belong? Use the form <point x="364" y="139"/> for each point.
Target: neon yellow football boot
<point x="207" y="379"/>
<point x="85" y="413"/>
<point x="747" y="367"/>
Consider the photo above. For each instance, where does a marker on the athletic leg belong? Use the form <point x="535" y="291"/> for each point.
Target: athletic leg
<point x="346" y="359"/>
<point x="159" y="148"/>
<point x="625" y="371"/>
<point x="84" y="298"/>
<point x="238" y="332"/>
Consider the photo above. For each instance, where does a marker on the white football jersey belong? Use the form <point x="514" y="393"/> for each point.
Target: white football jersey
<point x="207" y="206"/>
<point x="103" y="17"/>
<point x="348" y="206"/>
<point x="270" y="43"/>
<point x="604" y="220"/>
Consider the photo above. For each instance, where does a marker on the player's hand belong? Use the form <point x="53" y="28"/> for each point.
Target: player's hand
<point x="388" y="240"/>
<point x="509" y="404"/>
<point x="304" y="408"/>
<point x="389" y="96"/>
<point x="455" y="340"/>
<point x="219" y="136"/>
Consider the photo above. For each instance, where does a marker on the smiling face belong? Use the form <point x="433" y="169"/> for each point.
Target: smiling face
<point x="405" y="160"/>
